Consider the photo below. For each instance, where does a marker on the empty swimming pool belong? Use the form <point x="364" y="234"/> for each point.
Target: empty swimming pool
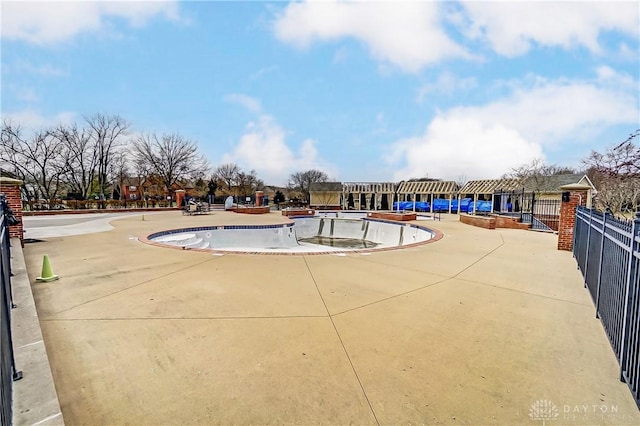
<point x="302" y="235"/>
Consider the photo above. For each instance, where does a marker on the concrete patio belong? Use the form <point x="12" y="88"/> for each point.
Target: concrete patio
<point x="472" y="329"/>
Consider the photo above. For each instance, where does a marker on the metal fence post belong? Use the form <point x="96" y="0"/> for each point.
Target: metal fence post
<point x="576" y="221"/>
<point x="8" y="370"/>
<point x="533" y="206"/>
<point x="16" y="375"/>
<point x="586" y="260"/>
<point x="632" y="273"/>
<point x="606" y="215"/>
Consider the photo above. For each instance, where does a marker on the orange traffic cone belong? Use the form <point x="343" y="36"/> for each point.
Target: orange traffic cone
<point x="47" y="272"/>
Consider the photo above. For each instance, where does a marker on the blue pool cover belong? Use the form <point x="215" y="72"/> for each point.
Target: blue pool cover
<point x="442" y="205"/>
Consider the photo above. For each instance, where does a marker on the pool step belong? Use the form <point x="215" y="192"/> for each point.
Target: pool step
<point x="182" y="240"/>
<point x="193" y="243"/>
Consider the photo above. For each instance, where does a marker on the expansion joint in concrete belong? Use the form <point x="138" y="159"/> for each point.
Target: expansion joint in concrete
<point x="344" y="348"/>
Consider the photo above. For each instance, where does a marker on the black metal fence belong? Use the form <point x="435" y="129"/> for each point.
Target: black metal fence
<point x="8" y="372"/>
<point x="541" y="210"/>
<point x="607" y="251"/>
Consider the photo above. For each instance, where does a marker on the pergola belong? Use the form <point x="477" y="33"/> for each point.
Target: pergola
<point x="484" y="189"/>
<point x="367" y="195"/>
<point x="427" y="191"/>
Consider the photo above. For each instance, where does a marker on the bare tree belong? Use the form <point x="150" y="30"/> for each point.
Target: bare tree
<point x="534" y="175"/>
<point x="228" y="175"/>
<point x="620" y="194"/>
<point x="302" y="180"/>
<point x="293" y="193"/>
<point x="38" y="160"/>
<point x="80" y="158"/>
<point x="142" y="170"/>
<point x="424" y="179"/>
<point x="200" y="188"/>
<point x="107" y="132"/>
<point x="248" y="183"/>
<point x="616" y="174"/>
<point x="119" y="168"/>
<point x="461" y="179"/>
<point x="170" y="157"/>
<point x="621" y="160"/>
<point x="538" y="168"/>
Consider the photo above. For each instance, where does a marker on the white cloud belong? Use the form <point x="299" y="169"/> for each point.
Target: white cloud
<point x="488" y="140"/>
<point x="551" y="112"/>
<point x="455" y="146"/>
<point x="27" y="94"/>
<point x="42" y="70"/>
<point x="446" y="84"/>
<point x="263" y="148"/>
<point x="251" y="104"/>
<point x="30" y="120"/>
<point x="616" y="80"/>
<point x="627" y="52"/>
<point x="50" y="22"/>
<point x="513" y="28"/>
<point x="262" y="72"/>
<point x="406" y="34"/>
<point x="340" y="56"/>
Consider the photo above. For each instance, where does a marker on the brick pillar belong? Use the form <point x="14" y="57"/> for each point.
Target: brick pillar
<point x="259" y="195"/>
<point x="180" y="194"/>
<point x="11" y="188"/>
<point x="568" y="217"/>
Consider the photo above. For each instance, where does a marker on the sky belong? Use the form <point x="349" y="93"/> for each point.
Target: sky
<point x="364" y="91"/>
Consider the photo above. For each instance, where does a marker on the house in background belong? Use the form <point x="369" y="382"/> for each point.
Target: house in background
<point x="549" y="187"/>
<point x="325" y="195"/>
<point x="537" y="199"/>
<point x="131" y="189"/>
<point x="271" y="191"/>
<point x="6" y="173"/>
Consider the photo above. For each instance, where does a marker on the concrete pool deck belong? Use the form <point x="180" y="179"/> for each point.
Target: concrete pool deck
<point x="472" y="329"/>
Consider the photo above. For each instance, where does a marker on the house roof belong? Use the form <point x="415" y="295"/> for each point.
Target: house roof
<point x="428" y="187"/>
<point x="554" y="182"/>
<point x="489" y="186"/>
<point x="6" y="173"/>
<point x="325" y="187"/>
<point x="586" y="181"/>
<point x="130" y="181"/>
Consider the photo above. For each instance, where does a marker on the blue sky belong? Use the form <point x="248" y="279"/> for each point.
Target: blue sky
<point x="365" y="91"/>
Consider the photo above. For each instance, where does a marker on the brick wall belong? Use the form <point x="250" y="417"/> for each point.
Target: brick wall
<point x="510" y="223"/>
<point x="568" y="219"/>
<point x="252" y="210"/>
<point x="299" y="212"/>
<point x="393" y="216"/>
<point x="487" y="222"/>
<point x="11" y="188"/>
